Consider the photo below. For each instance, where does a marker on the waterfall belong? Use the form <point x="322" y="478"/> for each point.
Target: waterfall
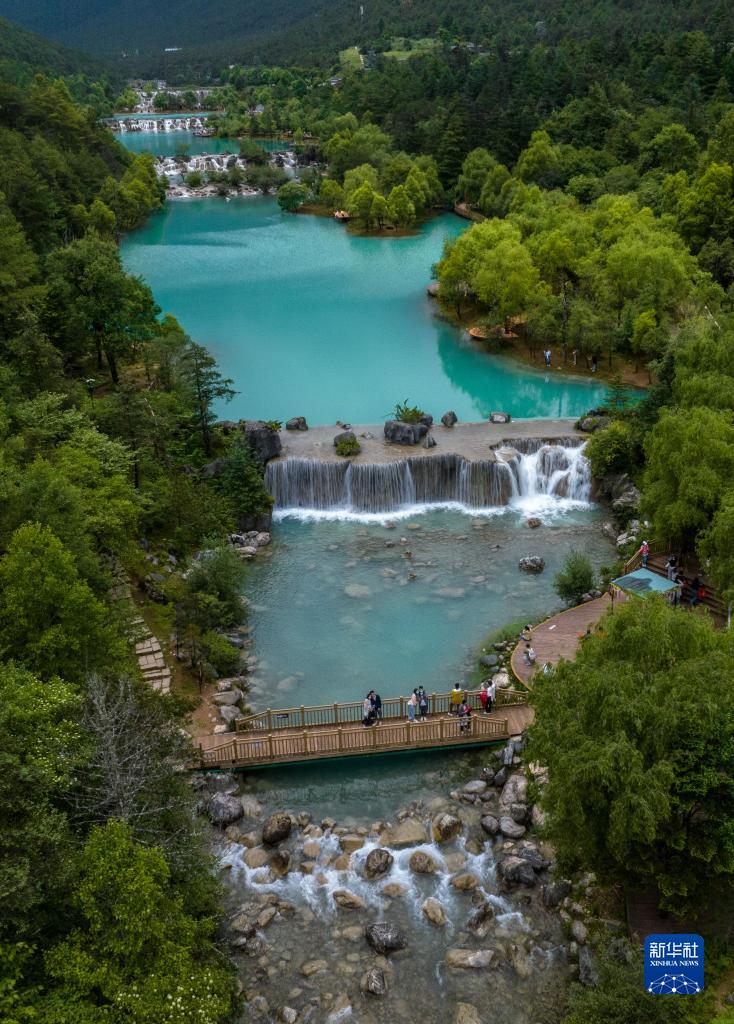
<point x="508" y="476"/>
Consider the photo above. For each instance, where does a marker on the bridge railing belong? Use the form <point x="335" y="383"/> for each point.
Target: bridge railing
<point x="269" y="748"/>
<point x="393" y="708"/>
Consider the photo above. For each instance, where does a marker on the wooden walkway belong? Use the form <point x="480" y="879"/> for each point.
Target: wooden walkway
<point x="270" y="737"/>
<point x="558" y="637"/>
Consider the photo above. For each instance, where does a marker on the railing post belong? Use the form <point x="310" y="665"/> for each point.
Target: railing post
<point x="336" y="714"/>
<point x="402" y="707"/>
<point x="440" y="722"/>
<point x="305" y="742"/>
<point x="339" y="734"/>
<point x="270" y="720"/>
<point x="270" y="746"/>
<point x="433" y="703"/>
<point x="374" y="735"/>
<point x="303" y="717"/>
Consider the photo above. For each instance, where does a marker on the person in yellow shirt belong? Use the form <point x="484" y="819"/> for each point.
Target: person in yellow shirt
<point x="455" y="700"/>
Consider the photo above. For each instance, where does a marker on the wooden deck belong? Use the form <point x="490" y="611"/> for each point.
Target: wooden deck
<point x="558" y="637"/>
<point x="269" y="738"/>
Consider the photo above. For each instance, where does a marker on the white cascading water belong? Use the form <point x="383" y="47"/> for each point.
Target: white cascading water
<point x="541" y="479"/>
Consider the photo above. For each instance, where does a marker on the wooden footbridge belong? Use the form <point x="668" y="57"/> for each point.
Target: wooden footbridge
<point x="291" y="735"/>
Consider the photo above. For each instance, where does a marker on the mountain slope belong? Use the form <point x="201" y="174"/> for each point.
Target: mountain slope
<point x="310" y="30"/>
<point x="24" y="54"/>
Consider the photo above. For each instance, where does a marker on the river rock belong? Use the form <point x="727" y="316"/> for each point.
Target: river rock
<point x="263" y="441"/>
<point x="430" y="442"/>
<point x="228" y="697"/>
<point x="312" y="967"/>
<point x="500" y="417"/>
<point x="374" y="982"/>
<point x="385" y="937"/>
<point x="433" y="910"/>
<point x="397" y="432"/>
<point x="554" y="893"/>
<point x="288" y="1015"/>
<point x="481" y="920"/>
<point x="346" y="435"/>
<point x="357" y="590"/>
<point x="465" y="1013"/>
<point x="311" y="850"/>
<point x="277" y="828"/>
<point x="518" y="870"/>
<point x="348" y="900"/>
<point x="465" y="881"/>
<point x="519" y="813"/>
<point x="470" y="959"/>
<point x="242" y="925"/>
<point x="230" y="713"/>
<point x="251" y="807"/>
<point x="587" y="971"/>
<point x="393" y="890"/>
<point x="408" y="832"/>
<point x="266" y="916"/>
<point x="510" y="828"/>
<point x="224" y="810"/>
<point x="257" y="857"/>
<point x="445" y="827"/>
<point x="490" y="824"/>
<point x="500" y="777"/>
<point x="515" y="790"/>
<point x="531" y="563"/>
<point x="349" y="843"/>
<point x="533" y="522"/>
<point x="297" y="423"/>
<point x="280" y="863"/>
<point x="489" y="660"/>
<point x="378" y="863"/>
<point x="449" y="419"/>
<point x="580" y="932"/>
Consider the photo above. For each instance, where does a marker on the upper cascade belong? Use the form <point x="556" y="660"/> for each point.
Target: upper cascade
<point x="183" y="123"/>
<point x="506" y="476"/>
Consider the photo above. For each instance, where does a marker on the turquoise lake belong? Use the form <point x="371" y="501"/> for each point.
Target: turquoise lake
<point x="309" y="320"/>
<point x="168" y="143"/>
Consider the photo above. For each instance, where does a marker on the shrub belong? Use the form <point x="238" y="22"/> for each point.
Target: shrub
<point x="612" y="449"/>
<point x="407" y="413"/>
<point x="220" y="653"/>
<point x="348" y="446"/>
<point x="195" y="179"/>
<point x="575" y="579"/>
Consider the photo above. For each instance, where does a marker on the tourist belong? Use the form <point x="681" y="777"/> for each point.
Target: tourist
<point x="526" y="633"/>
<point x="484" y="696"/>
<point x="678" y="592"/>
<point x="546" y="668"/>
<point x="422" y="704"/>
<point x="412" y="705"/>
<point x="530" y="657"/>
<point x="644" y="550"/>
<point x="464" y="715"/>
<point x="368" y="711"/>
<point x="670" y="567"/>
<point x="455" y="700"/>
<point x="491" y="697"/>
<point x="377" y="704"/>
<point x="694" y="588"/>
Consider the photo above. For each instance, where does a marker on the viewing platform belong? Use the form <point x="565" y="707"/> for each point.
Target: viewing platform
<point x="471" y="441"/>
<point x="292" y="735"/>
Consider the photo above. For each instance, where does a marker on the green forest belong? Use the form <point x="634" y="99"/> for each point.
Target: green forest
<point x="594" y="148"/>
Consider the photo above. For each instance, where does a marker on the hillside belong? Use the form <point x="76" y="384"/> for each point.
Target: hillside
<point x="309" y="31"/>
<point x="24" y="54"/>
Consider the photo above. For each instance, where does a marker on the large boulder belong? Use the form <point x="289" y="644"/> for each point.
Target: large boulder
<point x="422" y="863"/>
<point x="555" y="893"/>
<point x="588" y="974"/>
<point x="374" y="982"/>
<point x="297" y="423"/>
<point x="408" y="832"/>
<point x="517" y="870"/>
<point x="264" y="442"/>
<point x="510" y="828"/>
<point x="230" y="697"/>
<point x="515" y="790"/>
<point x="348" y="900"/>
<point x="224" y="810"/>
<point x="590" y="424"/>
<point x="490" y="824"/>
<point x="489" y="660"/>
<point x="531" y="563"/>
<point x="378" y="863"/>
<point x="277" y="828"/>
<point x="397" y="432"/>
<point x="445" y="827"/>
<point x="465" y="882"/>
<point x="449" y="419"/>
<point x="466" y="959"/>
<point x="385" y="937"/>
<point x="435" y="913"/>
<point x="346" y="435"/>
<point x="499" y="417"/>
<point x="465" y="1013"/>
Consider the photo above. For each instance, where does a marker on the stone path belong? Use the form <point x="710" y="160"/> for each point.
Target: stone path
<point x="471" y="440"/>
<point x="558" y="637"/>
<point x="151" y="662"/>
